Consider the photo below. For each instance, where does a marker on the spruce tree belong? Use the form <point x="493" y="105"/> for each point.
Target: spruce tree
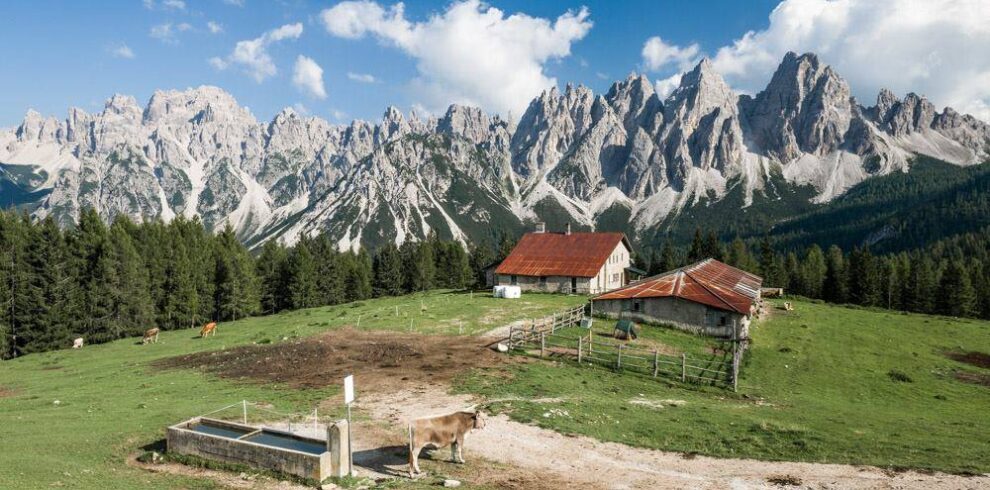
<point x="835" y="287"/>
<point x="697" y="250"/>
<point x="481" y="256"/>
<point x="956" y="295"/>
<point x="813" y="272"/>
<point x="387" y="276"/>
<point x="271" y="271"/>
<point x="301" y="278"/>
<point x="919" y="294"/>
<point x="132" y="299"/>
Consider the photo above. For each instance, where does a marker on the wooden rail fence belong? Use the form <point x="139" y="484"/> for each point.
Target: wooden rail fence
<point x="545" y="334"/>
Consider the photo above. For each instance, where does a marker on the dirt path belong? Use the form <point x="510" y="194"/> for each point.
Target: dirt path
<point x="593" y="464"/>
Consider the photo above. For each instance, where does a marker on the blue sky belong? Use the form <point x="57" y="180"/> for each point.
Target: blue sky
<point x="62" y="54"/>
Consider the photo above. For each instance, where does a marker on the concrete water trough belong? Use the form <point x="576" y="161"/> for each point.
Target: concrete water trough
<point x="263" y="447"/>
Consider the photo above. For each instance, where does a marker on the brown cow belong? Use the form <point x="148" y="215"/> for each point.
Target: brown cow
<point x="440" y="432"/>
<point x="150" y="335"/>
<point x="208" y="329"/>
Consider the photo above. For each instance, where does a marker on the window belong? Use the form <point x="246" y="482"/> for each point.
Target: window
<point x="637" y="305"/>
<point x="513" y="280"/>
<point x="723" y="320"/>
<point x="573" y="284"/>
<point x="543" y="281"/>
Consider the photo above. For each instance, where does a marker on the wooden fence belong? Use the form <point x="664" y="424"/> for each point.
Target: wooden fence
<point x="545" y="336"/>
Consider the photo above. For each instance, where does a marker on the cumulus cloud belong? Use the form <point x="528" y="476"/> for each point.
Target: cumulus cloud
<point x="658" y="54"/>
<point x="361" y="77"/>
<point x="308" y="78"/>
<point x="937" y="48"/>
<point x="122" y="51"/>
<point x="252" y="55"/>
<point x="236" y="3"/>
<point x="214" y="27"/>
<point x="471" y="53"/>
<point x="174" y="4"/>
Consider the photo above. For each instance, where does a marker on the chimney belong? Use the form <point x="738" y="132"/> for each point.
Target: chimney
<point x="567" y="230"/>
<point x="541" y="227"/>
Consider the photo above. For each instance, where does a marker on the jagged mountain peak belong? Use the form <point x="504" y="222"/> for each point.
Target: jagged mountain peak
<point x="572" y="155"/>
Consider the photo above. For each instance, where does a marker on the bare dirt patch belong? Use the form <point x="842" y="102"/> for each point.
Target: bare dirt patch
<point x="380" y="360"/>
<point x="973" y="378"/>
<point x="973" y="358"/>
<point x="7" y="392"/>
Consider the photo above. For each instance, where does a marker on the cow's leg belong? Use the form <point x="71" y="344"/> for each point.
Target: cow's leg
<point x="453" y="451"/>
<point x="459" y="454"/>
<point x="414" y="460"/>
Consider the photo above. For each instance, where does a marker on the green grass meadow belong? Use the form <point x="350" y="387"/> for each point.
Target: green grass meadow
<point x="111" y="403"/>
<point x="817" y="385"/>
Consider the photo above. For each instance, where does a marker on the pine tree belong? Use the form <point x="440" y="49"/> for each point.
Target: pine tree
<point x="132" y="302"/>
<point x="835" y="287"/>
<point x="271" y="270"/>
<point x="767" y="255"/>
<point x="331" y="271"/>
<point x="792" y="274"/>
<point x="739" y="256"/>
<point x="481" y="256"/>
<point x="919" y="294"/>
<point x="712" y="248"/>
<point x="813" y="272"/>
<point x="668" y="262"/>
<point x="864" y="278"/>
<point x="387" y="276"/>
<point x="956" y="295"/>
<point x="301" y="278"/>
<point x="697" y="251"/>
<point x="236" y="292"/>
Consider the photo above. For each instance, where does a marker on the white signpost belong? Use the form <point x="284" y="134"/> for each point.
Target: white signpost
<point x="348" y="400"/>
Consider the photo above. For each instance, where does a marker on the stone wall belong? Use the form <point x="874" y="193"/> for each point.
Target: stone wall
<point x="684" y="315"/>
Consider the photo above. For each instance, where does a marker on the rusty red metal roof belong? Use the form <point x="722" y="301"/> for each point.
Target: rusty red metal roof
<point x="708" y="282"/>
<point x="559" y="254"/>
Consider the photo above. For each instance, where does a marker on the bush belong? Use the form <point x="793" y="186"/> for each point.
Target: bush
<point x="899" y="376"/>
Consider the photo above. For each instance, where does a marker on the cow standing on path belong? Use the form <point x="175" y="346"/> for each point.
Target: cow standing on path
<point x="440" y="432"/>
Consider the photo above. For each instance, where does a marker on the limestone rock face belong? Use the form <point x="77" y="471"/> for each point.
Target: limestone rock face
<point x="573" y="155"/>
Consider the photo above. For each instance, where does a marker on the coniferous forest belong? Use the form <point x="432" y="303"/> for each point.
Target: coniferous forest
<point x="105" y="281"/>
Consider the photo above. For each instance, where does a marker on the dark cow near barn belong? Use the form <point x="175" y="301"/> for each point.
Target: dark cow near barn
<point x="440" y="432"/>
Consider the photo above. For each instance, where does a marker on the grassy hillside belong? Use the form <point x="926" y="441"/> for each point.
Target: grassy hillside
<point x="821" y="383"/>
<point x="111" y="402"/>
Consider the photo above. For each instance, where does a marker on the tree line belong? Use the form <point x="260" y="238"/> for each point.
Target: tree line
<point x="105" y="282"/>
<point x="948" y="277"/>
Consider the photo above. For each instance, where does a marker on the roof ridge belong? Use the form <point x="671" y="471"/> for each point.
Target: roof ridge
<point x="713" y="293"/>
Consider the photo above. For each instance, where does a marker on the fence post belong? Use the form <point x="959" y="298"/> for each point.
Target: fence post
<point x="244" y="404"/>
<point x="510" y="336"/>
<point x="543" y="344"/>
<point x="656" y="362"/>
<point x="735" y="366"/>
<point x="618" y="360"/>
<point x="683" y="367"/>
<point x="580" y="345"/>
<point x="591" y="349"/>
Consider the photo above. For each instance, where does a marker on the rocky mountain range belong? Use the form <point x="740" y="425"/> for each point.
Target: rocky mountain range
<point x="627" y="159"/>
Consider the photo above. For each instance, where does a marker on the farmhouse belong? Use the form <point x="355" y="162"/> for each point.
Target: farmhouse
<point x="588" y="263"/>
<point x="707" y="297"/>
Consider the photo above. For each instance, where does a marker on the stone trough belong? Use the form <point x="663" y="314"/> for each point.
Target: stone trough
<point x="263" y="447"/>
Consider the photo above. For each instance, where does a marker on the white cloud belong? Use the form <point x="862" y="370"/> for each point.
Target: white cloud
<point x="338" y="115"/>
<point x="252" y="55"/>
<point x="657" y="54"/>
<point x="602" y="75"/>
<point x="308" y="78"/>
<point x="236" y="3"/>
<point x="934" y="47"/>
<point x="667" y="85"/>
<point x="214" y="27"/>
<point x="362" y="77"/>
<point x="122" y="51"/>
<point x="174" y="4"/>
<point x="300" y="109"/>
<point x="471" y="53"/>
<point x="167" y="31"/>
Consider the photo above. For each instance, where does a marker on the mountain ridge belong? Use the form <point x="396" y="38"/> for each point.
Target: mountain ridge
<point x="573" y="156"/>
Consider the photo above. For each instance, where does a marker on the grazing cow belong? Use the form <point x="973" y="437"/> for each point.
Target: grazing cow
<point x="78" y="343"/>
<point x="150" y="335"/>
<point x="440" y="432"/>
<point x="208" y="329"/>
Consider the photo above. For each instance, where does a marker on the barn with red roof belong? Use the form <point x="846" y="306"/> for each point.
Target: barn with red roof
<point x="706" y="297"/>
<point x="566" y="262"/>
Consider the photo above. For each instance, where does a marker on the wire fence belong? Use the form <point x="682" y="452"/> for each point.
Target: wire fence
<point x="554" y="336"/>
<point x="311" y="423"/>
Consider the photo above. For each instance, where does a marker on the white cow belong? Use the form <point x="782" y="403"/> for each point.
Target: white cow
<point x="78" y="343"/>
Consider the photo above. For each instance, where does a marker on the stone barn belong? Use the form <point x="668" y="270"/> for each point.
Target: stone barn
<point x="566" y="262"/>
<point x="707" y="297"/>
